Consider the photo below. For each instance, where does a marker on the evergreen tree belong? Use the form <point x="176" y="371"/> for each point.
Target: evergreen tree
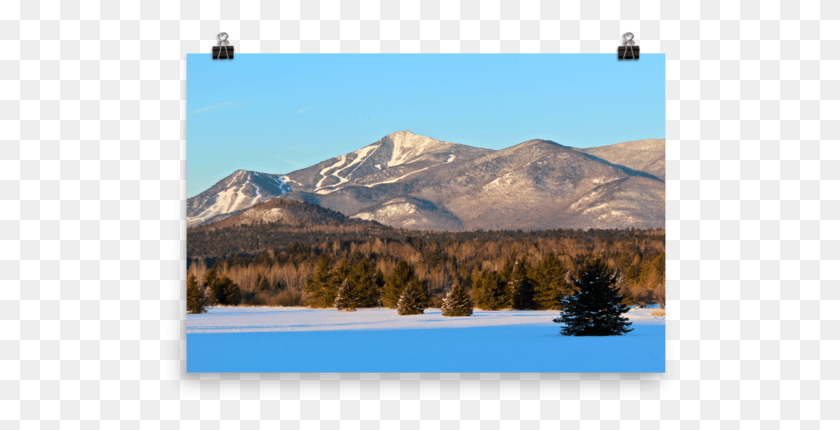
<point x="596" y="308"/>
<point x="363" y="281"/>
<point x="210" y="279"/>
<point x="412" y="301"/>
<point x="339" y="274"/>
<point x="226" y="291"/>
<point x="402" y="275"/>
<point x="346" y="298"/>
<point x="550" y="283"/>
<point x="488" y="290"/>
<point x="457" y="303"/>
<point x="379" y="280"/>
<point x="195" y="297"/>
<point x="317" y="285"/>
<point x="521" y="286"/>
<point x="506" y="271"/>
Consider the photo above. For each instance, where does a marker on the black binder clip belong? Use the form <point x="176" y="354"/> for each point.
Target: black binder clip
<point x="629" y="51"/>
<point x="224" y="51"/>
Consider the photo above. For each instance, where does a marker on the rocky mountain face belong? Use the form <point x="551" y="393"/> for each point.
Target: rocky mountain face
<point x="235" y="193"/>
<point x="416" y="182"/>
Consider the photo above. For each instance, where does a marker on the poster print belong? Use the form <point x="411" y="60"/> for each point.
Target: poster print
<point x="425" y="213"/>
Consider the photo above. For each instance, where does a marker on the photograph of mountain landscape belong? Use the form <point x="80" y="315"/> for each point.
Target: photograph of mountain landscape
<point x="425" y="213"/>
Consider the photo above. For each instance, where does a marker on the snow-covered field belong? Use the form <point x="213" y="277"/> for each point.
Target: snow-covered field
<point x="378" y="340"/>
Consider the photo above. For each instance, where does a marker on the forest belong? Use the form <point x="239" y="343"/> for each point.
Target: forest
<point x="271" y="265"/>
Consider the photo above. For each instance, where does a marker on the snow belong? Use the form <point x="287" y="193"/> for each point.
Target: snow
<point x="241" y="339"/>
<point x="256" y="190"/>
<point x="287" y="179"/>
<point x="229" y="200"/>
<point x="391" y="181"/>
<point x="361" y="156"/>
<point x="408" y="145"/>
<point x="327" y="169"/>
<point x="280" y="182"/>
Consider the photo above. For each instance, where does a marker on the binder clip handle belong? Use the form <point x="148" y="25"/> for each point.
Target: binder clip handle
<point x="224" y="46"/>
<point x="628" y="46"/>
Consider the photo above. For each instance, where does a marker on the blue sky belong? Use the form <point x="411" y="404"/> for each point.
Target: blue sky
<point x="278" y="113"/>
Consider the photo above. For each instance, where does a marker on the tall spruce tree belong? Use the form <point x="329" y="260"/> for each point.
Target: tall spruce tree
<point x="550" y="283"/>
<point x="196" y="302"/>
<point x="363" y="281"/>
<point x="338" y="275"/>
<point x="521" y="286"/>
<point x="596" y="308"/>
<point x="379" y="281"/>
<point x="347" y="298"/>
<point x="402" y="275"/>
<point x="210" y="279"/>
<point x="457" y="303"/>
<point x="412" y="301"/>
<point x="317" y="285"/>
<point x="488" y="290"/>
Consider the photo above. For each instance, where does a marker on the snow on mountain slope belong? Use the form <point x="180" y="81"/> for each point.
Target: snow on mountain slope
<point x="335" y="171"/>
<point x="388" y="160"/>
<point x="411" y="213"/>
<point x="409" y="146"/>
<point x="239" y="191"/>
<point x="418" y="182"/>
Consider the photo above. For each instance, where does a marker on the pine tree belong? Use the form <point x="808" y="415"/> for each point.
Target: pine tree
<point x="196" y="301"/>
<point x="488" y="290"/>
<point x="346" y="298"/>
<point x="379" y="281"/>
<point x="412" y="301"/>
<point x="596" y="308"/>
<point x="339" y="274"/>
<point x="457" y="303"/>
<point x="506" y="271"/>
<point x="363" y="281"/>
<point x="402" y="275"/>
<point x="210" y="279"/>
<point x="550" y="283"/>
<point x="317" y="285"/>
<point x="226" y="291"/>
<point x="521" y="286"/>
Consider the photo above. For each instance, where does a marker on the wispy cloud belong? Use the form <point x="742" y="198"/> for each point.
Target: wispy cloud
<point x="211" y="108"/>
<point x="304" y="109"/>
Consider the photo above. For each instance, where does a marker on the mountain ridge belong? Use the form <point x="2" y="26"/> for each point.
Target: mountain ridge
<point x="410" y="181"/>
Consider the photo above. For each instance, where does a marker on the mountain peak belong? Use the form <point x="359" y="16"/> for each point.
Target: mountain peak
<point x="402" y="133"/>
<point x="407" y="146"/>
<point x="240" y="190"/>
<point x="533" y="142"/>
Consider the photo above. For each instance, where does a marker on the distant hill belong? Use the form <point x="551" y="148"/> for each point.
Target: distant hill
<point x="285" y="212"/>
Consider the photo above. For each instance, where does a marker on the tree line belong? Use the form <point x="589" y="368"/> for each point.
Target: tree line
<point x="498" y="270"/>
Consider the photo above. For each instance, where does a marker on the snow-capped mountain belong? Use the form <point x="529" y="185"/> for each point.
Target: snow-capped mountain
<point x="239" y="191"/>
<point x="394" y="158"/>
<point x="417" y="182"/>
